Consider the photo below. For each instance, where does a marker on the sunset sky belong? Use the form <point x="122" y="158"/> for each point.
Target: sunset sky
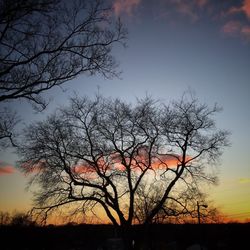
<point x="173" y="46"/>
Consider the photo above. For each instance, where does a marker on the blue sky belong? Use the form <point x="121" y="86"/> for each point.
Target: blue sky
<point x="173" y="45"/>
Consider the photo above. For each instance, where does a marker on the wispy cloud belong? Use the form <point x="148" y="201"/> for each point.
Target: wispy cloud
<point x="245" y="31"/>
<point x="231" y="27"/>
<point x="238" y="26"/>
<point x="6" y="168"/>
<point x="137" y="164"/>
<point x="201" y="3"/>
<point x="125" y="6"/>
<point x="236" y="29"/>
<point x="189" y="9"/>
<point x="233" y="17"/>
<point x="243" y="8"/>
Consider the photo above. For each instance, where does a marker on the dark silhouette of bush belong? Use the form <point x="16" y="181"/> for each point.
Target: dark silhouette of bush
<point x="22" y="220"/>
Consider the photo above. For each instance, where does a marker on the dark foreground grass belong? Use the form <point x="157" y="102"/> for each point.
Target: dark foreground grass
<point x="153" y="237"/>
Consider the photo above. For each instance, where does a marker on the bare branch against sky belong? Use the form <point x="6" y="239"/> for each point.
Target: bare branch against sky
<point x="47" y="43"/>
<point x="99" y="154"/>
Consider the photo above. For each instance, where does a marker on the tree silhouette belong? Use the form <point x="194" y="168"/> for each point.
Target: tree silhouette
<point x="5" y="218"/>
<point x="104" y="154"/>
<point x="22" y="220"/>
<point x="8" y="121"/>
<point x="47" y="43"/>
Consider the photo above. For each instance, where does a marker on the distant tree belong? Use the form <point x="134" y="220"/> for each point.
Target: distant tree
<point x="4" y="218"/>
<point x="107" y="154"/>
<point x="46" y="43"/>
<point x="22" y="220"/>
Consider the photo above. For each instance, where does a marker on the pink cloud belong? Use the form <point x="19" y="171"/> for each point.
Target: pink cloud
<point x="7" y="170"/>
<point x="125" y="6"/>
<point x="231" y="27"/>
<point x="187" y="9"/>
<point x="245" y="31"/>
<point x="139" y="163"/>
<point x="190" y="9"/>
<point x="244" y="8"/>
<point x="236" y="28"/>
<point x="31" y="167"/>
<point x="82" y="169"/>
<point x="201" y="3"/>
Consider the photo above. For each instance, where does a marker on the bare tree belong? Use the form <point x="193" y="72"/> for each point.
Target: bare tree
<point x="171" y="212"/>
<point x="22" y="220"/>
<point x="8" y="121"/>
<point x="101" y="154"/>
<point x="46" y="43"/>
<point x="5" y="218"/>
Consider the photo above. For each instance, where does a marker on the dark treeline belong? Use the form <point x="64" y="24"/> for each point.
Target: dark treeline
<point x="153" y="237"/>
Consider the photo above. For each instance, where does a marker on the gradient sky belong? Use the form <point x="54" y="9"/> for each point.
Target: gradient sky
<point x="173" y="45"/>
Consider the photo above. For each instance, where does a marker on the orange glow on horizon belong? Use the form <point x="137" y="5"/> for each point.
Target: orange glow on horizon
<point x="102" y="219"/>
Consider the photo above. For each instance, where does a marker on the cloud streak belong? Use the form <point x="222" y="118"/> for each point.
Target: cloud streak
<point x="231" y="27"/>
<point x="125" y="6"/>
<point x="244" y="8"/>
<point x="238" y="26"/>
<point x="138" y="164"/>
<point x="235" y="28"/>
<point x="187" y="9"/>
<point x="6" y="168"/>
<point x="233" y="18"/>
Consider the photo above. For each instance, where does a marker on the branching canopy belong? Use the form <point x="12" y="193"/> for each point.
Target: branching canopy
<point x="45" y="43"/>
<point x="133" y="161"/>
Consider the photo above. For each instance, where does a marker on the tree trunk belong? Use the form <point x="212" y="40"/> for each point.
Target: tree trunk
<point x="127" y="234"/>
